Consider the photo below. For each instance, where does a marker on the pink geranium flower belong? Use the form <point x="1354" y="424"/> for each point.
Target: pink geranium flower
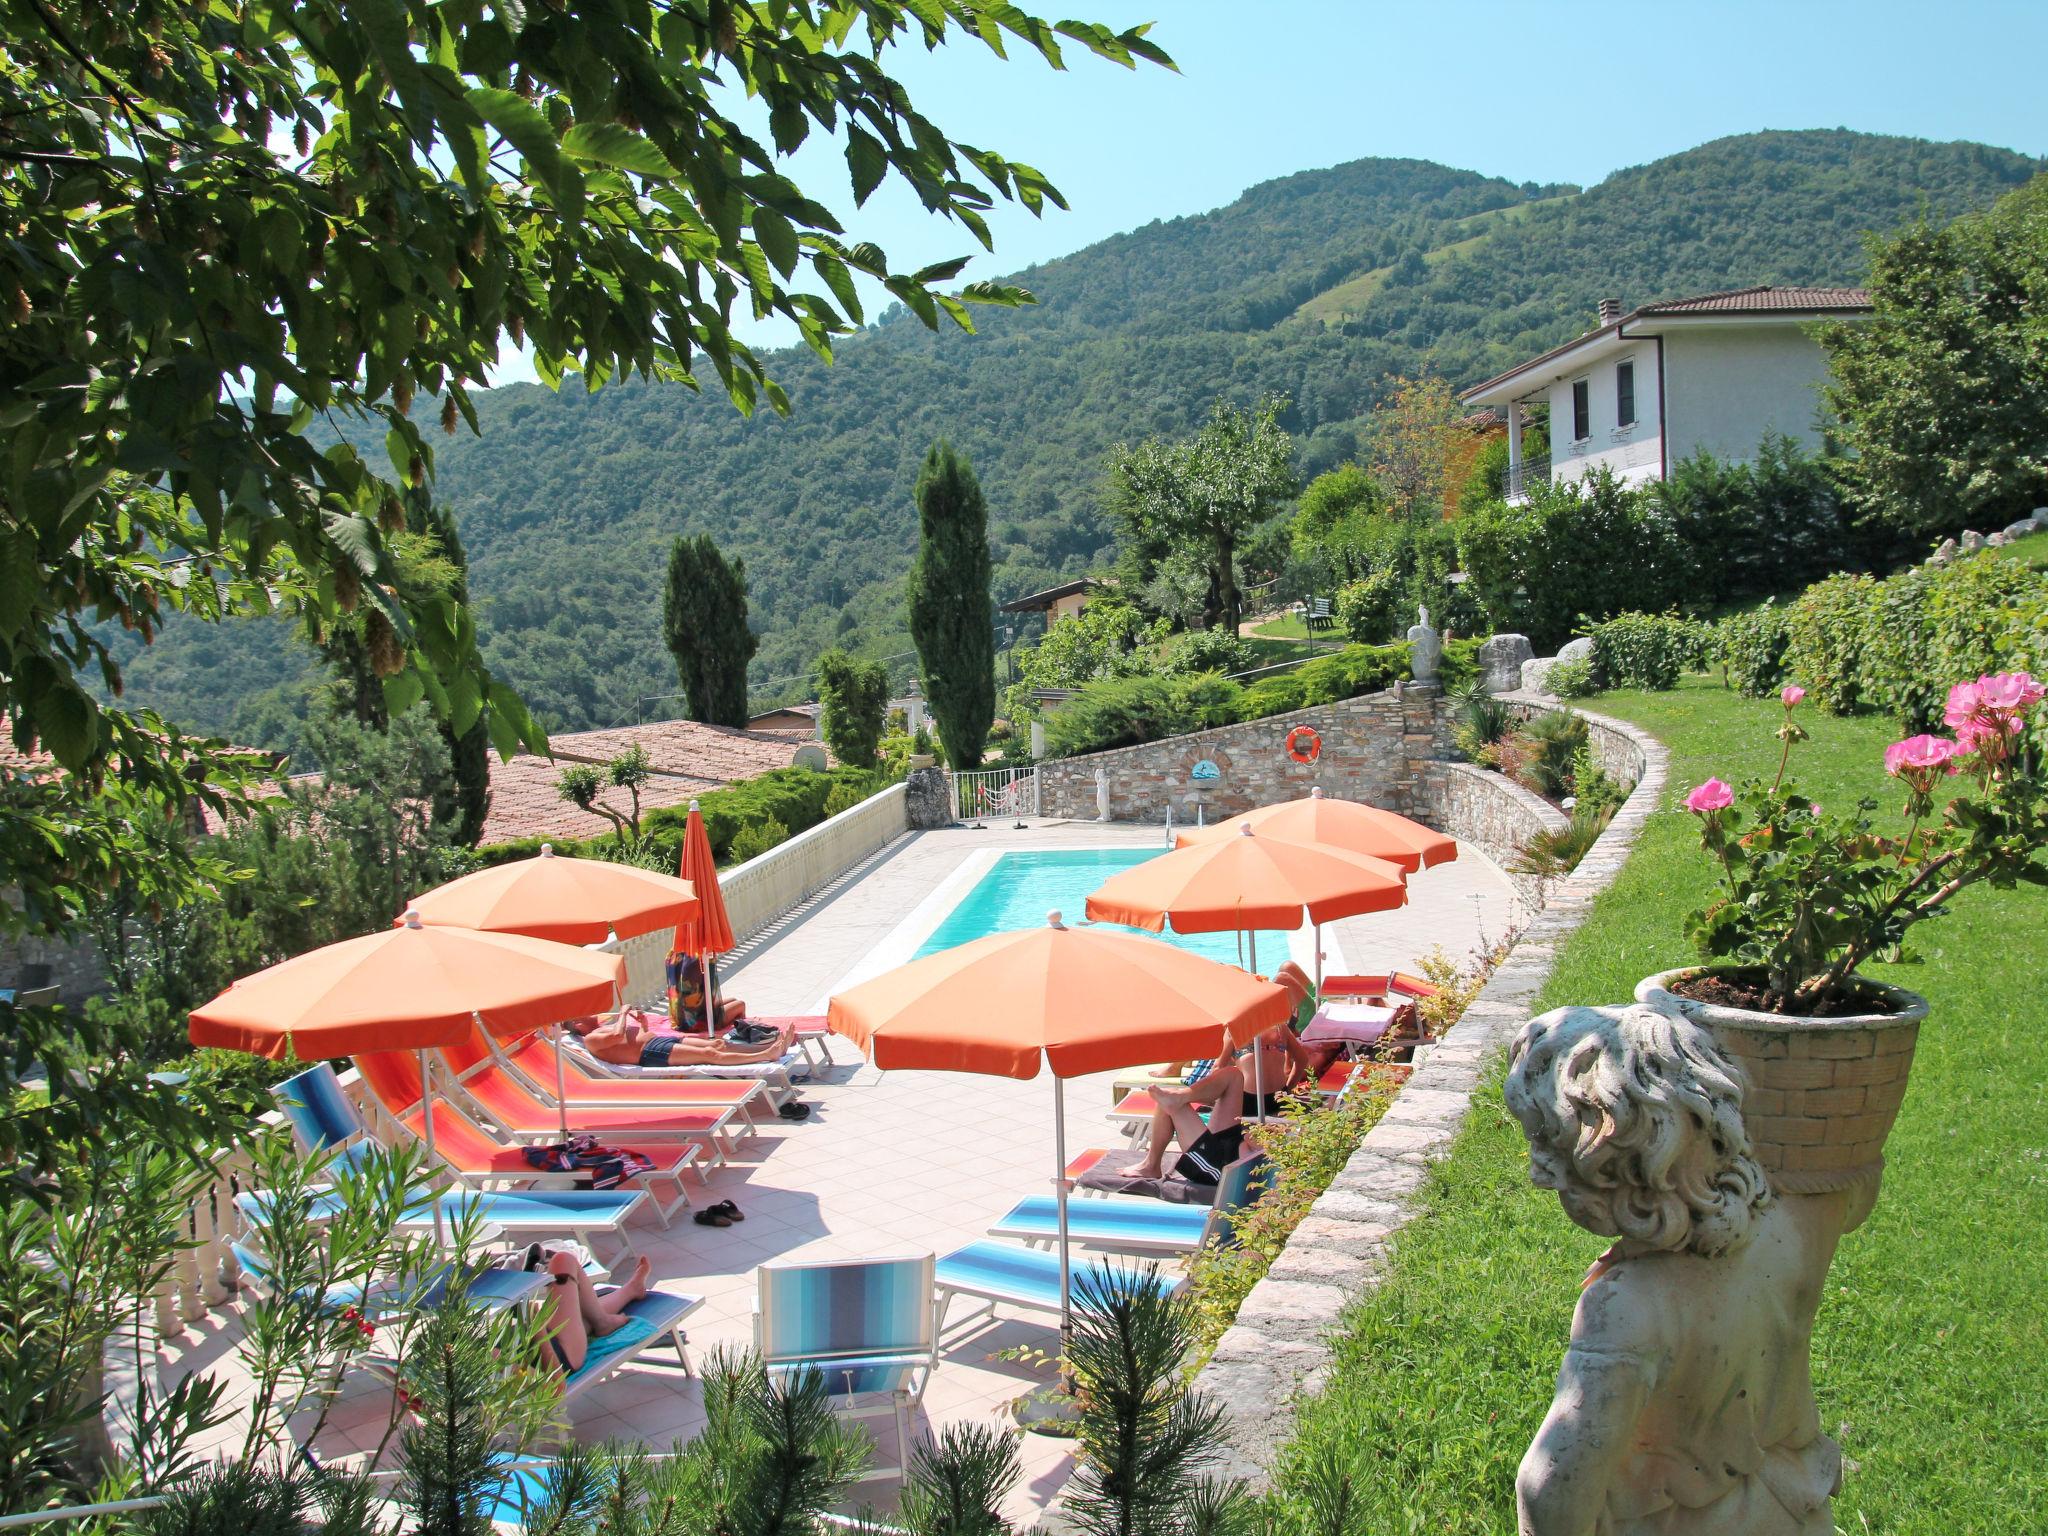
<point x="1792" y="695"/>
<point x="1710" y="796"/>
<point x="1965" y="703"/>
<point x="2009" y="691"/>
<point x="1920" y="760"/>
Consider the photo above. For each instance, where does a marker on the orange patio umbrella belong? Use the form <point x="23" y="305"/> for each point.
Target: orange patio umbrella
<point x="1076" y="1000"/>
<point x="708" y="931"/>
<point x="1344" y="824"/>
<point x="408" y="988"/>
<point x="1246" y="882"/>
<point x="568" y="900"/>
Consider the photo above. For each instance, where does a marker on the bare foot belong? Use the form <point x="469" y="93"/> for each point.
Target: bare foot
<point x="634" y="1286"/>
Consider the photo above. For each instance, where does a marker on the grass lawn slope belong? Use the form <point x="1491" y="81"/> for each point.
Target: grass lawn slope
<point x="1931" y="1351"/>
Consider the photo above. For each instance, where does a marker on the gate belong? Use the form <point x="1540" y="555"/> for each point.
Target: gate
<point x="985" y="792"/>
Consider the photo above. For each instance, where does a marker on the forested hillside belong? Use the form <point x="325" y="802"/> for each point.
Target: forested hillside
<point x="1321" y="286"/>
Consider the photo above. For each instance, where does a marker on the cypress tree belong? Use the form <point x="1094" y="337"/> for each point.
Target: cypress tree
<point x="952" y="616"/>
<point x="704" y="622"/>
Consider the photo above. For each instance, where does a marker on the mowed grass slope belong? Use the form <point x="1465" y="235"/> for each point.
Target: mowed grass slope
<point x="1931" y="1350"/>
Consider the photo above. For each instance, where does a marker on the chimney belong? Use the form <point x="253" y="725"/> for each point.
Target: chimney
<point x="1610" y="311"/>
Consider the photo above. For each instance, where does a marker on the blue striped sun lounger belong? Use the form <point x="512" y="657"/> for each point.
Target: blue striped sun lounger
<point x="489" y="1287"/>
<point x="868" y="1326"/>
<point x="1137" y="1223"/>
<point x="1027" y="1278"/>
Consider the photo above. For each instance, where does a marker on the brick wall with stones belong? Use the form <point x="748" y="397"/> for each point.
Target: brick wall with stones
<point x="1279" y="1347"/>
<point x="1476" y="805"/>
<point x="1372" y="747"/>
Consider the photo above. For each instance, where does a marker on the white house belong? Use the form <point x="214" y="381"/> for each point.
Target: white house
<point x="1652" y="387"/>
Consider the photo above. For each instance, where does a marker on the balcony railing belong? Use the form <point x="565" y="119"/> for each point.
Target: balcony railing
<point x="1528" y="473"/>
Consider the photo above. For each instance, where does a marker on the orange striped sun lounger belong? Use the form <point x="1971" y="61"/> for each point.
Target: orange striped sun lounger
<point x="501" y="1097"/>
<point x="533" y="1060"/>
<point x="478" y="1159"/>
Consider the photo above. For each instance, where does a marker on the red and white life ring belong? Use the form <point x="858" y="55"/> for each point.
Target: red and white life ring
<point x="1304" y="745"/>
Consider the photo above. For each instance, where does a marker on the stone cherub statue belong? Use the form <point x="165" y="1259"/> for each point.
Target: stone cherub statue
<point x="1685" y="1403"/>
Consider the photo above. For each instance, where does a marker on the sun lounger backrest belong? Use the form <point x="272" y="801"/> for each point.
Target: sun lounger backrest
<point x="1243" y="1182"/>
<point x="393" y="1078"/>
<point x="322" y="1116"/>
<point x="841" y="1310"/>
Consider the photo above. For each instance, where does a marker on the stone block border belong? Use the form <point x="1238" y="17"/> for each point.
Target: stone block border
<point x="1279" y="1346"/>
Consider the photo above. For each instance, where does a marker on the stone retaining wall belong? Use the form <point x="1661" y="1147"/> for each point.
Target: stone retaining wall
<point x="1279" y="1346"/>
<point x="1477" y="805"/>
<point x="1372" y="749"/>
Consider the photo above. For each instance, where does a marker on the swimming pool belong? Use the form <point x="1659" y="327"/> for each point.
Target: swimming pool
<point x="1020" y="888"/>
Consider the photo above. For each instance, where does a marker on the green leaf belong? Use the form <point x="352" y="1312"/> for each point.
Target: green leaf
<point x="867" y="160"/>
<point x="616" y="145"/>
<point x="402" y="690"/>
<point x="514" y="117"/>
<point x="20" y="583"/>
<point x="840" y="281"/>
<point x="68" y="721"/>
<point x="777" y="238"/>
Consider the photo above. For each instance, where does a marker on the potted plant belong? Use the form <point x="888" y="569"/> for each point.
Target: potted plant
<point x="1809" y="895"/>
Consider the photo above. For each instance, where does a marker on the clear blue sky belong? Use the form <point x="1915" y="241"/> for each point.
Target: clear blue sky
<point x="1556" y="91"/>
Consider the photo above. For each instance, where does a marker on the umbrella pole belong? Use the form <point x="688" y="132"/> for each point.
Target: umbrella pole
<point x="561" y="1087"/>
<point x="1319" y="963"/>
<point x="1059" y="1189"/>
<point x="427" y="1121"/>
<point x="1251" y="937"/>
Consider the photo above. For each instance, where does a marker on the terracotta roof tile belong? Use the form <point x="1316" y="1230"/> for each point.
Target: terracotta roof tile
<point x="1764" y="299"/>
<point x="688" y="759"/>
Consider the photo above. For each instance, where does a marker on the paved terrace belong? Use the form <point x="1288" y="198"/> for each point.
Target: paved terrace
<point x="897" y="1163"/>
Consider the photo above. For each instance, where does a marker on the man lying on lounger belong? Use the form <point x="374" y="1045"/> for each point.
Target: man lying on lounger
<point x="625" y="1043"/>
<point x="1206" y="1150"/>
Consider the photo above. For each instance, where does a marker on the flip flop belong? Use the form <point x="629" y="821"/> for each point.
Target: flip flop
<point x="729" y="1211"/>
<point x="795" y="1111"/>
<point x="712" y="1218"/>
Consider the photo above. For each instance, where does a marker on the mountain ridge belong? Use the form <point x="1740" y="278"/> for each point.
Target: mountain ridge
<point x="568" y="501"/>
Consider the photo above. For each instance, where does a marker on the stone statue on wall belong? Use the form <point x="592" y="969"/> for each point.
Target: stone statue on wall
<point x="1426" y="648"/>
<point x="1102" y="794"/>
<point x="1685" y="1403"/>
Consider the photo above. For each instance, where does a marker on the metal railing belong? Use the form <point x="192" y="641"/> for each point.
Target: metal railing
<point x="994" y="792"/>
<point x="1526" y="475"/>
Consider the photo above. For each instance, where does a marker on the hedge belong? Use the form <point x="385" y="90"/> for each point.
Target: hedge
<point x="1648" y="650"/>
<point x="794" y="797"/>
<point x="1126" y="711"/>
<point x="1857" y="644"/>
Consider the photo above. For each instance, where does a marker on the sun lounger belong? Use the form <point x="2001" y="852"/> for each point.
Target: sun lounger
<point x="488" y="1286"/>
<point x="811" y="1035"/>
<point x="1138" y="1225"/>
<point x="518" y="1112"/>
<point x="1017" y="1276"/>
<point x="476" y="1158"/>
<point x="324" y="1119"/>
<point x="533" y="1061"/>
<point x="779" y="1077"/>
<point x="869" y="1326"/>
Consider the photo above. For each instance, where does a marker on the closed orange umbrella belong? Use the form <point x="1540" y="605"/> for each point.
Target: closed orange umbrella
<point x="571" y="901"/>
<point x="408" y="988"/>
<point x="1345" y="824"/>
<point x="1078" y="1000"/>
<point x="709" y="931"/>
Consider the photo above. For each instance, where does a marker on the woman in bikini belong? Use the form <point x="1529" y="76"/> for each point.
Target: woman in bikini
<point x="578" y="1312"/>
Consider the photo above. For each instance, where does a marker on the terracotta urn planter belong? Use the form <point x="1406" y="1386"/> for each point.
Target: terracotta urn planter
<point x="1823" y="1092"/>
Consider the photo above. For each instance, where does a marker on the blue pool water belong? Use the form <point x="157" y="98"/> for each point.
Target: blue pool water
<point x="1020" y="888"/>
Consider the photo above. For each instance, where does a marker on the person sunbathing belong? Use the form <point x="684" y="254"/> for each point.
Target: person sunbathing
<point x="1228" y="1088"/>
<point x="625" y="1042"/>
<point x="578" y="1312"/>
<point x="686" y="996"/>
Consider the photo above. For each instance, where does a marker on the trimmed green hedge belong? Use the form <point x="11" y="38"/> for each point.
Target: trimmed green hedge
<point x="1126" y="711"/>
<point x="1858" y="644"/>
<point x="795" y="797"/>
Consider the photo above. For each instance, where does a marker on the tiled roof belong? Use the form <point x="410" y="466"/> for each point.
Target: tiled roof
<point x="1764" y="299"/>
<point x="688" y="759"/>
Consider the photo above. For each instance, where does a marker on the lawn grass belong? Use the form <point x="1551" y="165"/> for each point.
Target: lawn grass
<point x="1931" y="1350"/>
<point x="1291" y="627"/>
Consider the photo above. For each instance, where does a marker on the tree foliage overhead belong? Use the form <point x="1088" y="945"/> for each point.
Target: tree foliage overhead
<point x="568" y="501"/>
<point x="704" y="622"/>
<point x="952" y="616"/>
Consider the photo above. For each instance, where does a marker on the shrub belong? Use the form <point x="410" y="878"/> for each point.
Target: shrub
<point x="1370" y="609"/>
<point x="1482" y="721"/>
<point x="1270" y="696"/>
<point x="756" y="838"/>
<point x="853" y="699"/>
<point x="1752" y="647"/>
<point x="1571" y="678"/>
<point x="1459" y="667"/>
<point x="1124" y="711"/>
<point x="1552" y="741"/>
<point x="1646" y="650"/>
<point x="1208" y="650"/>
<point x="844" y="797"/>
<point x="1829" y="627"/>
<point x="1758" y="527"/>
<point x="1595" y="548"/>
<point x="1352" y="671"/>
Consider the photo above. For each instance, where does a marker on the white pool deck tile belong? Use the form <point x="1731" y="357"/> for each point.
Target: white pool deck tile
<point x="890" y="1163"/>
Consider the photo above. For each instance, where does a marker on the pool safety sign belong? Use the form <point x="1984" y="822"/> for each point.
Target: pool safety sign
<point x="1205" y="772"/>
